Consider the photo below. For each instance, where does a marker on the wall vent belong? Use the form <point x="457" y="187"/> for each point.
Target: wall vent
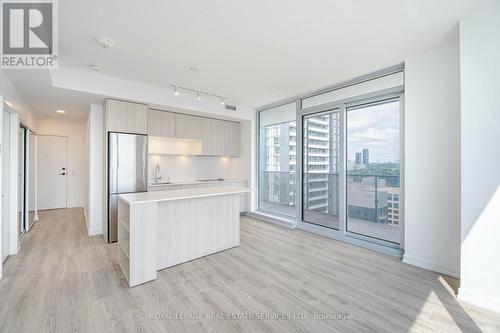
<point x="231" y="107"/>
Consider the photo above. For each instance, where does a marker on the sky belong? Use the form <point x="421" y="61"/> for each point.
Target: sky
<point x="375" y="128"/>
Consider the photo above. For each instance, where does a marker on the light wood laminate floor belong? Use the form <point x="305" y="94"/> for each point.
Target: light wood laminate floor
<point x="64" y="281"/>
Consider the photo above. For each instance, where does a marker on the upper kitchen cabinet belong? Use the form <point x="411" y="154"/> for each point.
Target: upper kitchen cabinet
<point x="126" y="117"/>
<point x="231" y="132"/>
<point x="188" y="127"/>
<point x="218" y="137"/>
<point x="162" y="123"/>
<point x="212" y="137"/>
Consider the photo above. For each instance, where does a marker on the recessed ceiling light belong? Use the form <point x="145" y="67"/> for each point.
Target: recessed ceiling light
<point x="9" y="104"/>
<point x="96" y="68"/>
<point x="61" y="111"/>
<point x="105" y="42"/>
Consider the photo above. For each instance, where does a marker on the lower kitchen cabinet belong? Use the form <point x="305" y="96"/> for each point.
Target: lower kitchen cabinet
<point x="156" y="188"/>
<point x="170" y="187"/>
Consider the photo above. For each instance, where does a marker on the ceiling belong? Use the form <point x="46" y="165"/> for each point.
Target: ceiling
<point x="254" y="52"/>
<point x="36" y="88"/>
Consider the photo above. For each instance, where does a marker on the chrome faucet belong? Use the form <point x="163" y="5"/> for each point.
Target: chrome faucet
<point x="157" y="173"/>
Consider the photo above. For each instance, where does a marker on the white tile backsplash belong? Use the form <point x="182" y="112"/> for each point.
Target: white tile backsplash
<point x="189" y="168"/>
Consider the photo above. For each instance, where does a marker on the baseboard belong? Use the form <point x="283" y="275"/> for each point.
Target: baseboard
<point x="432" y="266"/>
<point x="271" y="219"/>
<point x="479" y="300"/>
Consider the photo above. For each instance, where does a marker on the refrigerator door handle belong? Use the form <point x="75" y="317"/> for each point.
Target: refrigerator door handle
<point x="117" y="161"/>
<point x="112" y="167"/>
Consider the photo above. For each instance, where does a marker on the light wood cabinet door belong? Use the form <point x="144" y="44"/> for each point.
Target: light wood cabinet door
<point x="237" y="139"/>
<point x="190" y="186"/>
<point x="164" y="188"/>
<point x="231" y="138"/>
<point x="219" y="137"/>
<point x="126" y="117"/>
<point x="211" y="136"/>
<point x="226" y="138"/>
<point x="162" y="123"/>
<point x="188" y="127"/>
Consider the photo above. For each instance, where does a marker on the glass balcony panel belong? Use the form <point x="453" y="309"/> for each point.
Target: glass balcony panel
<point x="320" y="188"/>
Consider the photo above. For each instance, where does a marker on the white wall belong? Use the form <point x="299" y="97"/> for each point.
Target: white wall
<point x="75" y="131"/>
<point x="10" y="93"/>
<point x="432" y="160"/>
<point x="19" y="112"/>
<point x="480" y="92"/>
<point x="189" y="168"/>
<point x="5" y="186"/>
<point x="3" y="242"/>
<point x="94" y="196"/>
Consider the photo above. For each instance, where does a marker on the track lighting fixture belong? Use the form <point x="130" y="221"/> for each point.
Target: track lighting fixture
<point x="197" y="93"/>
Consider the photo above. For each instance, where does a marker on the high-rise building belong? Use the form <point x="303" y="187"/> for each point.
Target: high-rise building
<point x="321" y="163"/>
<point x="358" y="159"/>
<point x="366" y="156"/>
<point x="280" y="144"/>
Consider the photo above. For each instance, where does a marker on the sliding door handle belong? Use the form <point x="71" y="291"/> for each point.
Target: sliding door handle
<point x="62" y="174"/>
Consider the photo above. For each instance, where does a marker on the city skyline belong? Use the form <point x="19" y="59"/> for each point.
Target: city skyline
<point x="375" y="128"/>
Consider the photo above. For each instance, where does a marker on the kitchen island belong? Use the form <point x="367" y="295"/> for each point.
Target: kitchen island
<point x="157" y="230"/>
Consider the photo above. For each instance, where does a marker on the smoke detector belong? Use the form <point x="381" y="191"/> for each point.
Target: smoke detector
<point x="105" y="42"/>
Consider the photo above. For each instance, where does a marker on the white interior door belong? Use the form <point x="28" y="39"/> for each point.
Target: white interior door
<point x="52" y="171"/>
<point x="5" y="184"/>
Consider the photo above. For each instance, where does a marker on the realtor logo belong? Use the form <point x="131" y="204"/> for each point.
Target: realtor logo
<point x="29" y="34"/>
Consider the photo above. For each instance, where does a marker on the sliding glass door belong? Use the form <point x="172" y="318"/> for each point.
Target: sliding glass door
<point x="373" y="170"/>
<point x="329" y="161"/>
<point x="351" y="171"/>
<point x="321" y="168"/>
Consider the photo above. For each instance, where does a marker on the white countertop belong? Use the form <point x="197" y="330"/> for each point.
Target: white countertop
<point x="190" y="182"/>
<point x="143" y="197"/>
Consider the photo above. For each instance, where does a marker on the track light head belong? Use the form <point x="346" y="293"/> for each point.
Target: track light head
<point x="176" y="91"/>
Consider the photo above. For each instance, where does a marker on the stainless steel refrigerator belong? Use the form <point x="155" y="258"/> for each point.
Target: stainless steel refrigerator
<point x="127" y="172"/>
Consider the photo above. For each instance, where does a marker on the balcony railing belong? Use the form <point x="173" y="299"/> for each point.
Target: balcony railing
<point x="277" y="192"/>
<point x="368" y="206"/>
<point x="367" y="195"/>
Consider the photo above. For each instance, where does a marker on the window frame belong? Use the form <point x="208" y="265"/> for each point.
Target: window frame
<point x="372" y="97"/>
